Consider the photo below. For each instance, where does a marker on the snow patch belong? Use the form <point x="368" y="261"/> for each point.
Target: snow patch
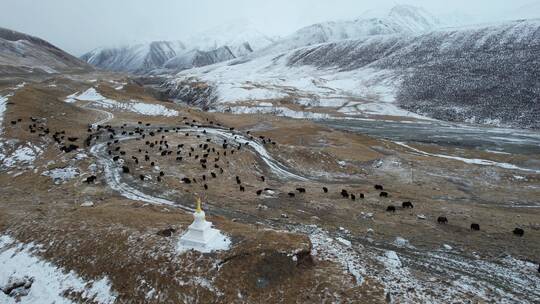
<point x="328" y="248"/>
<point x="24" y="155"/>
<point x="62" y="175"/>
<point x="130" y="106"/>
<point x="48" y="282"/>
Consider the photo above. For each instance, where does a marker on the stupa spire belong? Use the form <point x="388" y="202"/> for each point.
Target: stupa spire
<point x="199" y="209"/>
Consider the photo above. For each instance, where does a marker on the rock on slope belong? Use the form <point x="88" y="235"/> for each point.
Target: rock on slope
<point x="22" y="54"/>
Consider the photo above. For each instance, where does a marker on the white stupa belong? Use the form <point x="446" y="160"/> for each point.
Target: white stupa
<point x="200" y="235"/>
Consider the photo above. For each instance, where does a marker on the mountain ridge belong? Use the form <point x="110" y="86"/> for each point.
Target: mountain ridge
<point x="22" y="53"/>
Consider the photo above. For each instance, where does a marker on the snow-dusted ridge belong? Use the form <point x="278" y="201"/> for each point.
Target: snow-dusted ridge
<point x="403" y="20"/>
<point x="25" y="54"/>
<point x="205" y="48"/>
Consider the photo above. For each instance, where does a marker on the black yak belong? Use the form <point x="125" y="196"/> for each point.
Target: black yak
<point x="519" y="232"/>
<point x="442" y="220"/>
<point x="407" y="205"/>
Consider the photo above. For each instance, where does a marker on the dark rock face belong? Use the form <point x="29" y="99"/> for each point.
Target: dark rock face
<point x="482" y="75"/>
<point x="17" y="287"/>
<point x="139" y="58"/>
<point x="191" y="92"/>
<point x="198" y="58"/>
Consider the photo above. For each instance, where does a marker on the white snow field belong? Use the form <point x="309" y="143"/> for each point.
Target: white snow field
<point x="41" y="281"/>
<point x="130" y="106"/>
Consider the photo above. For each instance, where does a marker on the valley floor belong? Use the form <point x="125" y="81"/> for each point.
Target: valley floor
<point x="67" y="240"/>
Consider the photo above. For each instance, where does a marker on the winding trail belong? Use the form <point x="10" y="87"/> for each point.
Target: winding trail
<point x="114" y="178"/>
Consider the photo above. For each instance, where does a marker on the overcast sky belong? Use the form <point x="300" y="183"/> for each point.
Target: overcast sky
<point x="81" y="25"/>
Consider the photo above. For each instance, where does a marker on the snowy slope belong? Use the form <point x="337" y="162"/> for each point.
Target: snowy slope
<point x="459" y="74"/>
<point x="400" y="20"/>
<point x="21" y="53"/>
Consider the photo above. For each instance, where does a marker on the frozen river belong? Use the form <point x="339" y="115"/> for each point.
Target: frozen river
<point x="496" y="140"/>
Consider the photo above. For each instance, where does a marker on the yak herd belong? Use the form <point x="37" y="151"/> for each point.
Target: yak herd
<point x="207" y="152"/>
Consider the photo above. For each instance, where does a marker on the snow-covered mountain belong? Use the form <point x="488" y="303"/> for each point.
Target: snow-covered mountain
<point x="135" y="58"/>
<point x="457" y="74"/>
<point x="21" y="54"/>
<point x="400" y="20"/>
<point x="215" y="45"/>
<point x="241" y="37"/>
